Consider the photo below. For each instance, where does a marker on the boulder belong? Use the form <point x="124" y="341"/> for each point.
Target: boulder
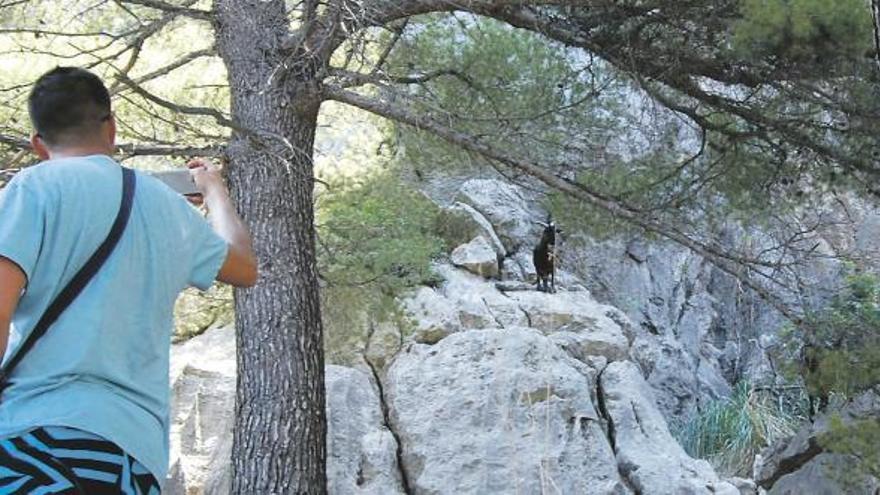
<point x="669" y="294"/>
<point x="745" y="486"/>
<point x="361" y="450"/>
<point x="498" y="411"/>
<point x="586" y="344"/>
<point x="470" y="223"/>
<point x="800" y="463"/>
<point x="569" y="310"/>
<point x="434" y="315"/>
<point x="521" y="267"/>
<point x="478" y="302"/>
<point x="648" y="457"/>
<point x="478" y="257"/>
<point x="465" y="301"/>
<point x="507" y="210"/>
<point x="383" y="344"/>
<point x="680" y="377"/>
<point x="824" y="474"/>
<point x="202" y="407"/>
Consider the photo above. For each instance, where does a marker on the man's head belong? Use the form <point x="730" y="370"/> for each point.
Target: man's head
<point x="70" y="112"/>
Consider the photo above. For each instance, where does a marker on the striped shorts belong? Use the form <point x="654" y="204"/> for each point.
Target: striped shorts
<point x="56" y="460"/>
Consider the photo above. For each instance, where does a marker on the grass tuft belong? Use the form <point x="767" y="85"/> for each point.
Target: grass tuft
<point x="730" y="432"/>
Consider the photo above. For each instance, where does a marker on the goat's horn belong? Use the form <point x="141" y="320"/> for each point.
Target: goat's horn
<point x="542" y="224"/>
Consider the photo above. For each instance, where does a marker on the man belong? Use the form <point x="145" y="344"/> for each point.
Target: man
<point x="87" y="408"/>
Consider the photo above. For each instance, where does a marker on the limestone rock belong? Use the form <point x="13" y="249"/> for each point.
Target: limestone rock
<point x="799" y="463"/>
<point x="521" y="266"/>
<point x="816" y="477"/>
<point x="478" y="303"/>
<point x="647" y="454"/>
<point x="506" y="286"/>
<point x="466" y="301"/>
<point x="589" y="331"/>
<point x="474" y="224"/>
<point x="478" y="257"/>
<point x="745" y="486"/>
<point x="679" y="378"/>
<point x="498" y="411"/>
<point x="669" y="295"/>
<point x="434" y="315"/>
<point x="587" y="344"/>
<point x="202" y="408"/>
<point x="385" y="341"/>
<point x="505" y="208"/>
<point x="362" y="452"/>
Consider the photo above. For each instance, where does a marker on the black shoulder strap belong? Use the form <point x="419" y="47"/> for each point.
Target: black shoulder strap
<point x="80" y="280"/>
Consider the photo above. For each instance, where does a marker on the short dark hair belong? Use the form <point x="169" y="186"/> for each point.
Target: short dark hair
<point x="66" y="103"/>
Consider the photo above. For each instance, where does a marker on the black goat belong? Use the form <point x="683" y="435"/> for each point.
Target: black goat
<point x="544" y="257"/>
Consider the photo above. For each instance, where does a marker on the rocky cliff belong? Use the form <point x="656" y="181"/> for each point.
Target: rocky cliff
<point x="497" y="388"/>
<point x="550" y="408"/>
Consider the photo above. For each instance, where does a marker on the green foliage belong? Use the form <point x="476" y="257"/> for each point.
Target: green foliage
<point x="455" y="229"/>
<point x="859" y="439"/>
<point x="582" y="218"/>
<point x="844" y="341"/>
<point x="26" y="55"/>
<point x="512" y="88"/>
<point x="730" y="432"/>
<point x="376" y="240"/>
<point x="843" y="359"/>
<point x="197" y="311"/>
<point x="798" y="30"/>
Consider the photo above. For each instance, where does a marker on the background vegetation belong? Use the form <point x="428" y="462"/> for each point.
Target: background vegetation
<point x="376" y="239"/>
<point x="837" y="355"/>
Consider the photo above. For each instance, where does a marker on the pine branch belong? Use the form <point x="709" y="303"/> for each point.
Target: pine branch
<point x="184" y="60"/>
<point x="202" y="15"/>
<point x="729" y="264"/>
<point x="875" y="15"/>
<point x="129" y="150"/>
<point x="184" y="109"/>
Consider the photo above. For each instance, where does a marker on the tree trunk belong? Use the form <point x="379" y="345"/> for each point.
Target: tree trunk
<point x="279" y="442"/>
<point x="875" y="16"/>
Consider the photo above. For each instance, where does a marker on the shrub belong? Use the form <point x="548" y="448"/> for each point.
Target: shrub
<point x="804" y="30"/>
<point x="844" y="354"/>
<point x="858" y="439"/>
<point x="843" y="342"/>
<point x="195" y="311"/>
<point x="376" y="240"/>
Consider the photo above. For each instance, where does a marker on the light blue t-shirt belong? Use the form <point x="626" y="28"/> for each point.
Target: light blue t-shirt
<point x="103" y="366"/>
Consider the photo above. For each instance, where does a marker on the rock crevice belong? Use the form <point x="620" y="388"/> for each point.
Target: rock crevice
<point x="388" y="422"/>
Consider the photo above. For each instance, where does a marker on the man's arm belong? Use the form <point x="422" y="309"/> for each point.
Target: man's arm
<point x="12" y="282"/>
<point x="240" y="267"/>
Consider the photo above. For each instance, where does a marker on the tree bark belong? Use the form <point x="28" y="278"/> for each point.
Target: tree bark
<point x="279" y="443"/>
<point x="875" y="16"/>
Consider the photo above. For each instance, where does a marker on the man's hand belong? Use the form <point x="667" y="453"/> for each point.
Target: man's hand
<point x="207" y="178"/>
<point x="240" y="267"/>
<point x="12" y="282"/>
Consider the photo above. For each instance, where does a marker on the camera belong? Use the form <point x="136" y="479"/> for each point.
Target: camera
<point x="180" y="181"/>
